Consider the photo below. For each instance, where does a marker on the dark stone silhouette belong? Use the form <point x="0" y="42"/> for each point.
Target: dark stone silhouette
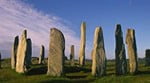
<point x="0" y="61"/>
<point x="147" y="57"/>
<point x="121" y="63"/>
<point x="29" y="53"/>
<point x="72" y="55"/>
<point x="14" y="52"/>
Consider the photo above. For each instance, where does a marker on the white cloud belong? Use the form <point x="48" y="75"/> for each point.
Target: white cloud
<point x="15" y="16"/>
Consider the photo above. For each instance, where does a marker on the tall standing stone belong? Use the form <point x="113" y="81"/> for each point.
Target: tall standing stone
<point x="147" y="57"/>
<point x="132" y="51"/>
<point x="21" y="53"/>
<point x="56" y="53"/>
<point x="72" y="55"/>
<point x="92" y="54"/>
<point x="98" y="54"/>
<point x="14" y="52"/>
<point x="28" y="57"/>
<point x="82" y="45"/>
<point x="121" y="63"/>
<point x="42" y="54"/>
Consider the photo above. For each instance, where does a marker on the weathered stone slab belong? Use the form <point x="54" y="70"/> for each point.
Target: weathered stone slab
<point x="0" y="61"/>
<point x="28" y="58"/>
<point x="72" y="55"/>
<point x="147" y="57"/>
<point x="82" y="45"/>
<point x="120" y="54"/>
<point x="14" y="52"/>
<point x="42" y="55"/>
<point x="98" y="54"/>
<point x="21" y="53"/>
<point x="56" y="53"/>
<point x="132" y="51"/>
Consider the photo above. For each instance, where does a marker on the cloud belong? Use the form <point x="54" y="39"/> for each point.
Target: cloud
<point x="15" y="16"/>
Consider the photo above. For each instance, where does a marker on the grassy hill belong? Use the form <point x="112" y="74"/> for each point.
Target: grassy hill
<point x="75" y="74"/>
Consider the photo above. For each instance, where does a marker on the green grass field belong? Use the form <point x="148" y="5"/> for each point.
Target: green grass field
<point x="75" y="74"/>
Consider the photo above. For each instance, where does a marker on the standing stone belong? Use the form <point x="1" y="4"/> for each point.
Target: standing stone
<point x="121" y="63"/>
<point x="14" y="52"/>
<point x="21" y="53"/>
<point x="132" y="51"/>
<point x="98" y="54"/>
<point x="0" y="61"/>
<point x="56" y="53"/>
<point x="72" y="55"/>
<point x="28" y="57"/>
<point x="42" y="54"/>
<point x="92" y="54"/>
<point x="82" y="45"/>
<point x="147" y="57"/>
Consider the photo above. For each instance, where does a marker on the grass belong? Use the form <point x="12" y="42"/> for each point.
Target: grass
<point x="74" y="74"/>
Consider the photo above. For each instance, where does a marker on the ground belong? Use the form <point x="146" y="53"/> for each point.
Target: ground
<point x="75" y="74"/>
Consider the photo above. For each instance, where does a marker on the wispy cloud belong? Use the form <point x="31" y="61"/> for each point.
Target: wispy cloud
<point x="15" y="16"/>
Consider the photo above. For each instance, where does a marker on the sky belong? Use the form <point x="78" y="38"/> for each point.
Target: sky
<point x="38" y="16"/>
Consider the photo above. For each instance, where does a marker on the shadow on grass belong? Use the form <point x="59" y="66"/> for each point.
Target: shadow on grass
<point x="77" y="77"/>
<point x="37" y="71"/>
<point x="76" y="72"/>
<point x="143" y="72"/>
<point x="110" y="69"/>
<point x="68" y="81"/>
<point x="75" y="69"/>
<point x="110" y="74"/>
<point x="55" y="81"/>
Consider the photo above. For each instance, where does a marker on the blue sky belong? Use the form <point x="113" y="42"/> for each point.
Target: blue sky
<point x="68" y="15"/>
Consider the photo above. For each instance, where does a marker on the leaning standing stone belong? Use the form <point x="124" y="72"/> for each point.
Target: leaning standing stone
<point x="42" y="54"/>
<point x="72" y="55"/>
<point x="21" y="53"/>
<point x="14" y="52"/>
<point x="98" y="54"/>
<point x="29" y="53"/>
<point x="132" y="51"/>
<point x="147" y="57"/>
<point x="56" y="53"/>
<point x="121" y="63"/>
<point x="82" y="45"/>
